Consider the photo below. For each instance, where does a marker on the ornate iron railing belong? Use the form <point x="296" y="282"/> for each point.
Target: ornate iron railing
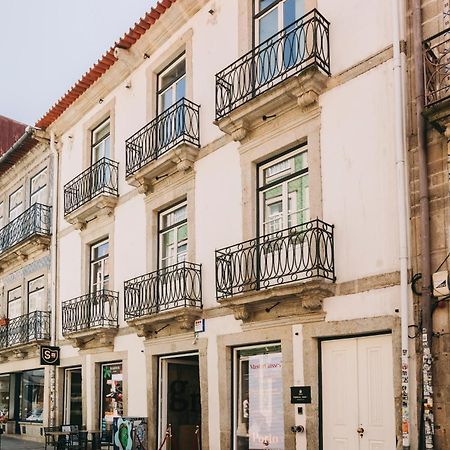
<point x="304" y="43"/>
<point x="25" y="329"/>
<point x="96" y="310"/>
<point x="179" y="285"/>
<point x="179" y="123"/>
<point x="436" y="63"/>
<point x="34" y="221"/>
<point x="101" y="178"/>
<point x="298" y="253"/>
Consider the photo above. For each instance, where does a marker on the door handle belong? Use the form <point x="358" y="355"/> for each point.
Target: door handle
<point x="360" y="431"/>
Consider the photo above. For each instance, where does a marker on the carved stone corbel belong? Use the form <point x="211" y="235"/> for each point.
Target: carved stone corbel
<point x="241" y="312"/>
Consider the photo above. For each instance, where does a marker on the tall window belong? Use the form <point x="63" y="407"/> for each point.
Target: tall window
<point x="15" y="303"/>
<point x="271" y="16"/>
<point x="99" y="267"/>
<point x="284" y="192"/>
<point x="2" y="213"/>
<point x="16" y="204"/>
<point x="36" y="295"/>
<point x="38" y="188"/>
<point x="173" y="237"/>
<point x="258" y="419"/>
<point x="32" y="394"/>
<point x="172" y="84"/>
<point x="101" y="142"/>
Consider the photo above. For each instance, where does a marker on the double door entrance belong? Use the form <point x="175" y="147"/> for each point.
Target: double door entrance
<point x="358" y="410"/>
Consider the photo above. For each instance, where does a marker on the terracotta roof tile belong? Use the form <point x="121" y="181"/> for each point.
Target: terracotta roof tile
<point x="106" y="61"/>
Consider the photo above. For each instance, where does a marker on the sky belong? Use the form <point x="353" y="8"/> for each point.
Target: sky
<point x="47" y="45"/>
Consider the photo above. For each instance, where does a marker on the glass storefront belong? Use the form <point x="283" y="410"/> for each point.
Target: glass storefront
<point x="258" y="398"/>
<point x="4" y="398"/>
<point x="32" y="395"/>
<point x="111" y="394"/>
<point x="73" y="396"/>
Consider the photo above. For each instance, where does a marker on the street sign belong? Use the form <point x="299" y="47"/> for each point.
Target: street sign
<point x="199" y="326"/>
<point x="49" y="355"/>
<point x="300" y="394"/>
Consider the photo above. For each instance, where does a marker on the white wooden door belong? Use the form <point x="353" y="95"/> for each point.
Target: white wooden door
<point x="358" y="393"/>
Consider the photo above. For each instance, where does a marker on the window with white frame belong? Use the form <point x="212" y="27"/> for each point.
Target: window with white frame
<point x="271" y="16"/>
<point x="16" y="204"/>
<point x="38" y="188"/>
<point x="172" y="84"/>
<point x="258" y="419"/>
<point x="36" y="295"/>
<point x="14" y="303"/>
<point x="99" y="267"/>
<point x="284" y="192"/>
<point x="173" y="237"/>
<point x="101" y="142"/>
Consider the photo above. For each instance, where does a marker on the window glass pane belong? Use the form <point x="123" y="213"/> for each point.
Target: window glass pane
<point x="172" y="74"/>
<point x="36" y="295"/>
<point x="167" y="99"/>
<point x="99" y="267"/>
<point x="32" y="395"/>
<point x="298" y="196"/>
<point x="180" y="89"/>
<point x="16" y="204"/>
<point x="100" y="132"/>
<point x="182" y="233"/>
<point x="14" y="303"/>
<point x="268" y="25"/>
<point x="4" y="398"/>
<point x="258" y="416"/>
<point x="292" y="10"/>
<point x="38" y="188"/>
<point x="265" y="3"/>
<point x="112" y="391"/>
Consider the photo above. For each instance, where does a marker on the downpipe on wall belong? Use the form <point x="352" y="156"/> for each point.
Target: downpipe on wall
<point x="54" y="271"/>
<point x="427" y="417"/>
<point x="402" y="198"/>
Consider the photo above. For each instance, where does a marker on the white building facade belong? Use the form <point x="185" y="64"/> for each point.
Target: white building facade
<point x="227" y="230"/>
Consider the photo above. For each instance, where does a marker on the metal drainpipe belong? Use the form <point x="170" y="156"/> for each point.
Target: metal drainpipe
<point x="54" y="270"/>
<point x="427" y="324"/>
<point x="399" y="65"/>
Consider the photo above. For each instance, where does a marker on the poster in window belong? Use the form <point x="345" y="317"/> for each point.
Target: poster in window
<point x="266" y="423"/>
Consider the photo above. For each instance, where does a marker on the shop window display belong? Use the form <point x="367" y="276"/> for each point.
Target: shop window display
<point x="32" y="392"/>
<point x="4" y="398"/>
<point x="112" y="394"/>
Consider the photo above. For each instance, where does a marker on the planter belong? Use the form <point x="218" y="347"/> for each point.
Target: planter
<point x="4" y="321"/>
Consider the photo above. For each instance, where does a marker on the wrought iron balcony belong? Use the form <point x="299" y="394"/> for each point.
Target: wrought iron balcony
<point x="102" y="178"/>
<point x="33" y="222"/>
<point x="298" y="253"/>
<point x="301" y="45"/>
<point x="93" y="311"/>
<point x="25" y="329"/>
<point x="178" y="124"/>
<point x="436" y="55"/>
<point x="165" y="289"/>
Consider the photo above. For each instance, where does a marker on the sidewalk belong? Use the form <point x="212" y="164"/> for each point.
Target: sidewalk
<point x="14" y="443"/>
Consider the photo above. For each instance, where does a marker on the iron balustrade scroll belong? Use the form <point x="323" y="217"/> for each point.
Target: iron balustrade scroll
<point x="178" y="124"/>
<point x="95" y="310"/>
<point x="179" y="285"/>
<point x="298" y="253"/>
<point x="436" y="63"/>
<point x="305" y="43"/>
<point x="100" y="178"/>
<point x="35" y="221"/>
<point x="31" y="327"/>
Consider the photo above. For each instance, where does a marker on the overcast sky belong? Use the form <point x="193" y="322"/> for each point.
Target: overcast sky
<point x="46" y="45"/>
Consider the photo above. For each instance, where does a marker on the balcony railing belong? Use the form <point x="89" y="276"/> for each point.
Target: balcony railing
<point x="178" y="124"/>
<point x="303" y="44"/>
<point x="96" y="310"/>
<point x="25" y="329"/>
<point x="298" y="253"/>
<point x="35" y="221"/>
<point x="179" y="285"/>
<point x="436" y="59"/>
<point x="101" y="178"/>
